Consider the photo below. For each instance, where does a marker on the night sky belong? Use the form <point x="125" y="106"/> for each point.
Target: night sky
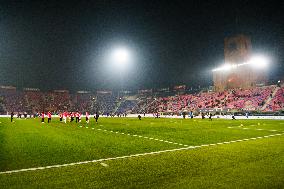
<point x="64" y="44"/>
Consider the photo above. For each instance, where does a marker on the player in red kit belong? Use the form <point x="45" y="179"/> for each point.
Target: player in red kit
<point x="60" y="116"/>
<point x="80" y="117"/>
<point x="87" y="117"/>
<point x="48" y="117"/>
<point x="42" y="117"/>
<point x="77" y="117"/>
<point x="65" y="117"/>
<point x="72" y="115"/>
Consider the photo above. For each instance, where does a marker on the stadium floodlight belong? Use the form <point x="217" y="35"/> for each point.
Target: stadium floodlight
<point x="258" y="61"/>
<point x="225" y="67"/>
<point x="121" y="56"/>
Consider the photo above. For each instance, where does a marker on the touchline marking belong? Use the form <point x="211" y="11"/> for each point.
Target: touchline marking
<point x="245" y="128"/>
<point x="122" y="157"/>
<point x="139" y="136"/>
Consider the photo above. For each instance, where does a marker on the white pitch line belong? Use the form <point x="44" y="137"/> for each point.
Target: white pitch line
<point x="145" y="137"/>
<point x="115" y="158"/>
<point x="256" y="129"/>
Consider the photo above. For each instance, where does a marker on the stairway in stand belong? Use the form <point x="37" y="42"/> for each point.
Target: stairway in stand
<point x="270" y="98"/>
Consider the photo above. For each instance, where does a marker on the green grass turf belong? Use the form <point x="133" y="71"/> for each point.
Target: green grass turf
<point x="250" y="164"/>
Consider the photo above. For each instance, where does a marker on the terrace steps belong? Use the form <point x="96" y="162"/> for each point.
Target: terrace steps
<point x="270" y="98"/>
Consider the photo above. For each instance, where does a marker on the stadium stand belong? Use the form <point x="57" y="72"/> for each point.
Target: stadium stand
<point x="264" y="99"/>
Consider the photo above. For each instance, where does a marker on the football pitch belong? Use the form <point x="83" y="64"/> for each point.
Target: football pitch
<point x="151" y="153"/>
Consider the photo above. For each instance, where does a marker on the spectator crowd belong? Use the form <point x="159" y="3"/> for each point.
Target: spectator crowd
<point x="267" y="99"/>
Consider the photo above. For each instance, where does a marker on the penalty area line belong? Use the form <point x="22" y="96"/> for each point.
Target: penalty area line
<point x="133" y="155"/>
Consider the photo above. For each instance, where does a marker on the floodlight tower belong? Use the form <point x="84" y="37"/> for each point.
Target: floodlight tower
<point x="241" y="68"/>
